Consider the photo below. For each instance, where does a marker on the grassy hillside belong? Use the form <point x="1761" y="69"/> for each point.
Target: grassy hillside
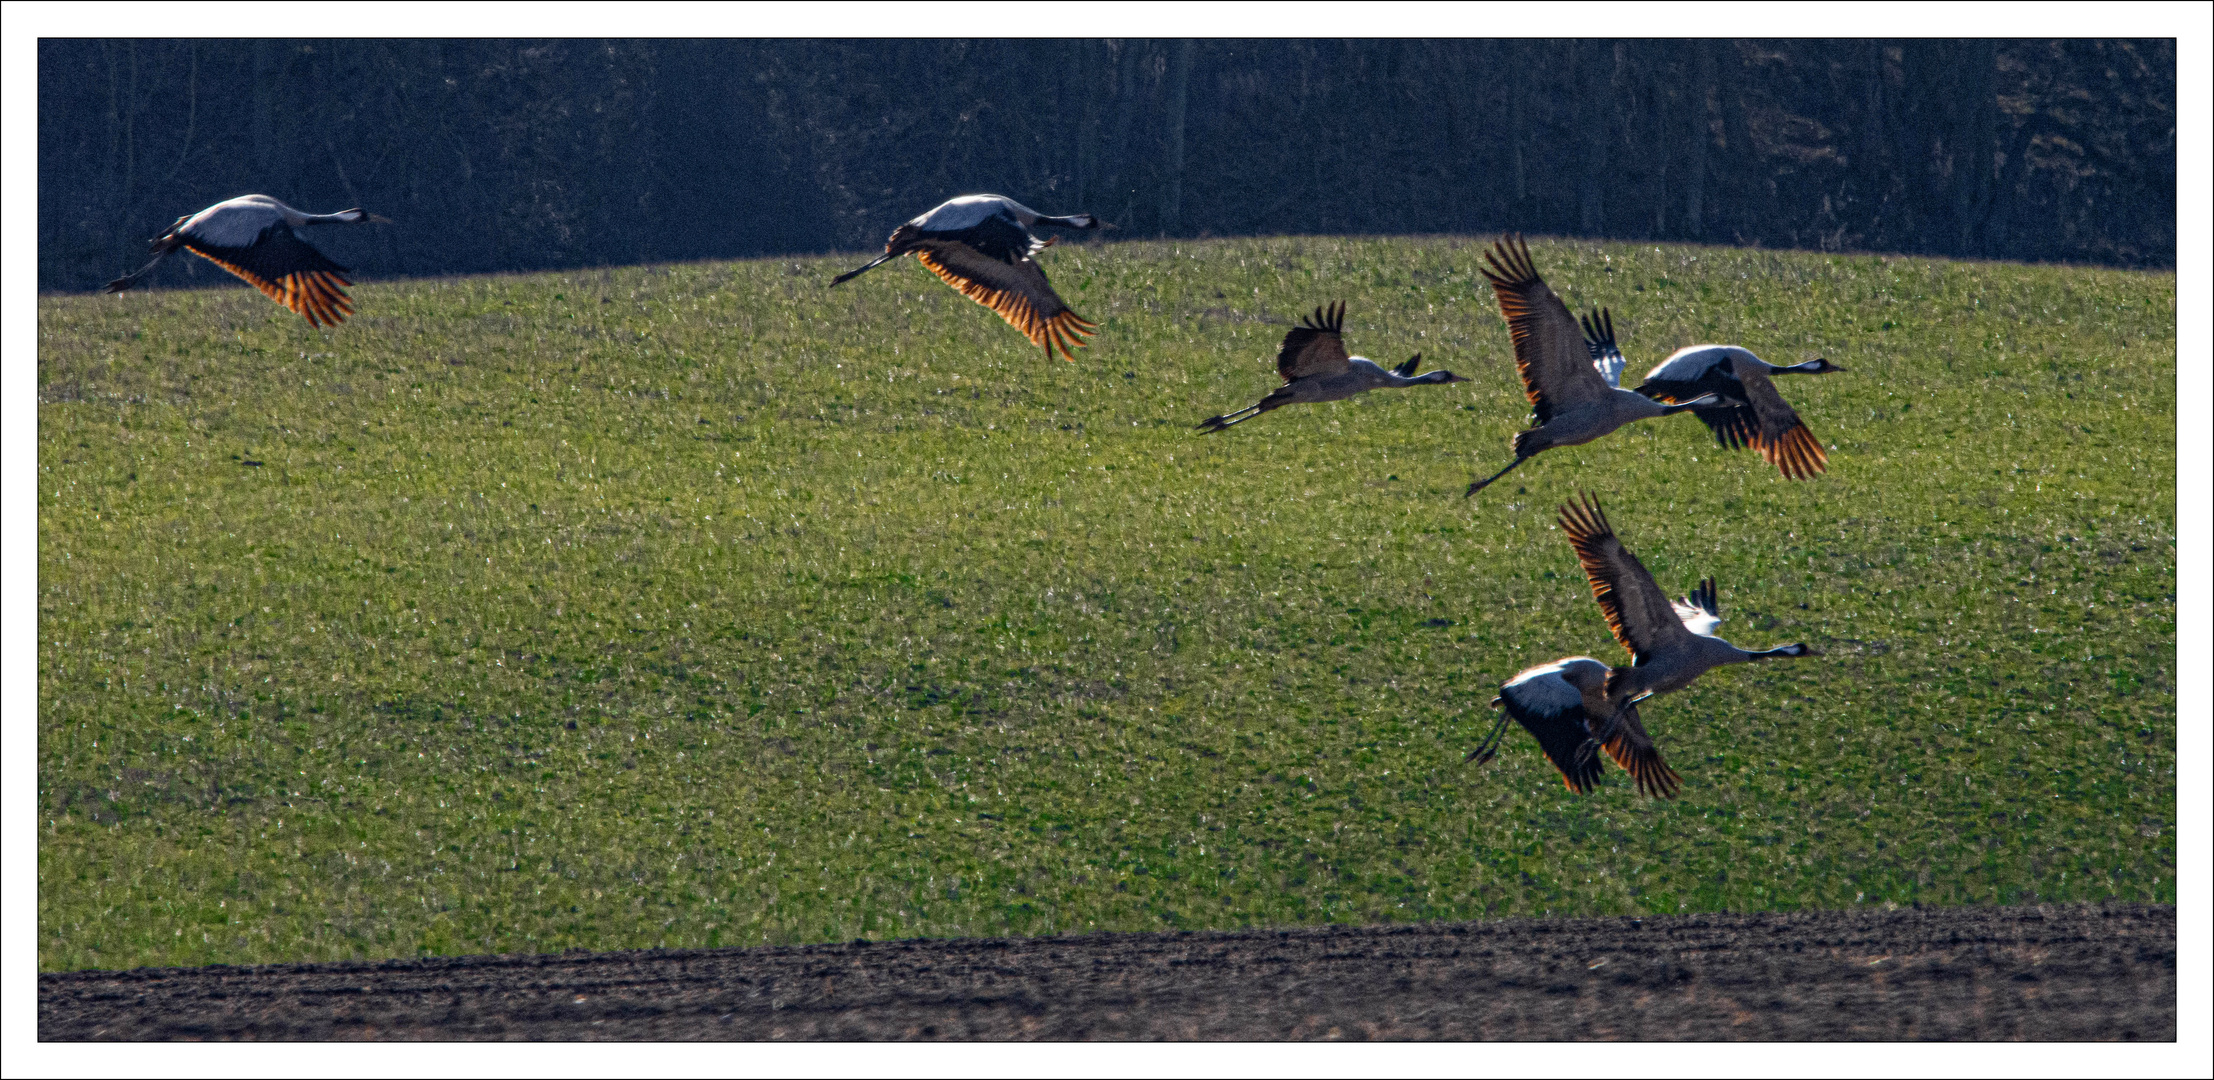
<point x="701" y="605"/>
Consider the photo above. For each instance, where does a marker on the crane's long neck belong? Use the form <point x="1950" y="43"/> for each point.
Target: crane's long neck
<point x="1420" y="380"/>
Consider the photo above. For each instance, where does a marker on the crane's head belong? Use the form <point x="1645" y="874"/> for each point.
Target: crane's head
<point x="1782" y="651"/>
<point x="1816" y="366"/>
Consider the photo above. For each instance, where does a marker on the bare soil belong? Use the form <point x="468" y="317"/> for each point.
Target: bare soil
<point x="2044" y="973"/>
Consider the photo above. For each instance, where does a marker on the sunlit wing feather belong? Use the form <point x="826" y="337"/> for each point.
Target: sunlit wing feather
<point x="1778" y="434"/>
<point x="1017" y="291"/>
<point x="286" y="269"/>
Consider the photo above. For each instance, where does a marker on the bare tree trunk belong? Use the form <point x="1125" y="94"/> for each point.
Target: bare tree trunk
<point x="1740" y="161"/>
<point x="1700" y="133"/>
<point x="1518" y="116"/>
<point x="1172" y="190"/>
<point x="1594" y="78"/>
<point x="1974" y="139"/>
<point x="1872" y="173"/>
<point x="265" y="104"/>
<point x="1644" y="129"/>
<point x="1922" y="67"/>
<point x="1087" y="124"/>
<point x="1126" y="102"/>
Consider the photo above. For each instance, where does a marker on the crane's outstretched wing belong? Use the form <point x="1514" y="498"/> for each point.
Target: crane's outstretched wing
<point x="1633" y="749"/>
<point x="1638" y="612"/>
<point x="286" y="270"/>
<point x="1733" y="425"/>
<point x="1316" y="346"/>
<point x="1015" y="289"/>
<point x="1561" y="738"/>
<point x="1698" y="611"/>
<point x="1549" y="350"/>
<point x="1606" y="356"/>
<point x="1778" y="433"/>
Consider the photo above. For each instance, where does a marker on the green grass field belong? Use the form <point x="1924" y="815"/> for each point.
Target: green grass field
<point x="702" y="605"/>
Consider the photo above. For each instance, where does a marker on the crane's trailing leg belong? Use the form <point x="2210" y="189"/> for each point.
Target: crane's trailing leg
<point x="1486" y="482"/>
<point x="1489" y="747"/>
<point x="873" y="264"/>
<point x="132" y="279"/>
<point x="1216" y="423"/>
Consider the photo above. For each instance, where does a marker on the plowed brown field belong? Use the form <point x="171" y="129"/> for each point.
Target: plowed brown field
<point x="2052" y="973"/>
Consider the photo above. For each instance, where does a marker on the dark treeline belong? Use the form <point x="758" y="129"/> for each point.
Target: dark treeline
<point x="508" y="155"/>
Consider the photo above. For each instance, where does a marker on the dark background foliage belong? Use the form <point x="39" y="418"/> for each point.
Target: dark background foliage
<point x="515" y="155"/>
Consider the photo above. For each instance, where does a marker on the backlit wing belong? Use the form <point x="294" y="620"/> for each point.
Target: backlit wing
<point x="1778" y="433"/>
<point x="1316" y="346"/>
<point x="1638" y="612"/>
<point x="288" y="271"/>
<point x="1017" y="290"/>
<point x="1549" y="351"/>
<point x="1633" y="749"/>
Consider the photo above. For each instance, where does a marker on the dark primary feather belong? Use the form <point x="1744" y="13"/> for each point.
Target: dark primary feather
<point x="1638" y="612"/>
<point x="1316" y="346"/>
<point x="1599" y="332"/>
<point x="1599" y="341"/>
<point x="1549" y="351"/>
<point x="1407" y="370"/>
<point x="1704" y="598"/>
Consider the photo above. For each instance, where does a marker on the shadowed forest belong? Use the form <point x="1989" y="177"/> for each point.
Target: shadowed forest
<point x="517" y="155"/>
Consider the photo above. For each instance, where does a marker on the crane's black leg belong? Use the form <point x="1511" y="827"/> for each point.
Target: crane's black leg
<point x="1486" y="482"/>
<point x="873" y="264"/>
<point x="1489" y="747"/>
<point x="132" y="278"/>
<point x="1217" y="423"/>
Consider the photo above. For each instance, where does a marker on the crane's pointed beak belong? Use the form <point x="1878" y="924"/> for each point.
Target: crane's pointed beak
<point x="379" y="219"/>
